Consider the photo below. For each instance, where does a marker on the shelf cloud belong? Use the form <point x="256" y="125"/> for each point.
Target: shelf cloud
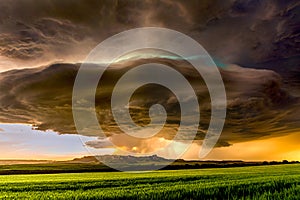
<point x="258" y="106"/>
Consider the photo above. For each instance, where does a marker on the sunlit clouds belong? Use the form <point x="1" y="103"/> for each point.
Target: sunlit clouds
<point x="255" y="45"/>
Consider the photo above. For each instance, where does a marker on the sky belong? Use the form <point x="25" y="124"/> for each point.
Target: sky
<point x="255" y="45"/>
<point x="21" y="142"/>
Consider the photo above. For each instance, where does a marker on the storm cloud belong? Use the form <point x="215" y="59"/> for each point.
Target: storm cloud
<point x="252" y="31"/>
<point x="255" y="43"/>
<point x="258" y="107"/>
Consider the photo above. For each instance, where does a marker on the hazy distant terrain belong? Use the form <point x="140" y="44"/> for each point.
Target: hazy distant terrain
<point x="125" y="163"/>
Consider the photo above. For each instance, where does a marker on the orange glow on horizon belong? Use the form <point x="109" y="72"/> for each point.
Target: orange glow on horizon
<point x="271" y="149"/>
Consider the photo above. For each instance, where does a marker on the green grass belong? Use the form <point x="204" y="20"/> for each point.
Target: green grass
<point x="260" y="182"/>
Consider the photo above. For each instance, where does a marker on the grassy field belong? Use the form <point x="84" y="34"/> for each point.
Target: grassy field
<point x="259" y="182"/>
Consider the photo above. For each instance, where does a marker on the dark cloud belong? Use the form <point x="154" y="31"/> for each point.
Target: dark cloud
<point x="257" y="105"/>
<point x="234" y="31"/>
<point x="42" y="37"/>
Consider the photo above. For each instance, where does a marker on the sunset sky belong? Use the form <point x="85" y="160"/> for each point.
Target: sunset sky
<point x="255" y="45"/>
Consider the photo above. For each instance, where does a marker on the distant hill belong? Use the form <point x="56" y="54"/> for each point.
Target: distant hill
<point x="127" y="162"/>
<point x="170" y="164"/>
<point x="119" y="158"/>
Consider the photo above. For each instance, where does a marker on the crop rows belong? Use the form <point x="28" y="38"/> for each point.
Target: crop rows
<point x="260" y="182"/>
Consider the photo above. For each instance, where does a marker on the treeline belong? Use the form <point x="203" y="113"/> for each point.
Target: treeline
<point x="181" y="164"/>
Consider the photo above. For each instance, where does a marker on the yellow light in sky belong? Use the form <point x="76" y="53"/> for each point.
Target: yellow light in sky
<point x="134" y="148"/>
<point x="278" y="148"/>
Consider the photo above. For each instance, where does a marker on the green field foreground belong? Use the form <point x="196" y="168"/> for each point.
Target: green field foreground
<point x="259" y="182"/>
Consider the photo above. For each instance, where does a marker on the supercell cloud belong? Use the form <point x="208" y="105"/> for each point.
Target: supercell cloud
<point x="257" y="41"/>
<point x="258" y="106"/>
